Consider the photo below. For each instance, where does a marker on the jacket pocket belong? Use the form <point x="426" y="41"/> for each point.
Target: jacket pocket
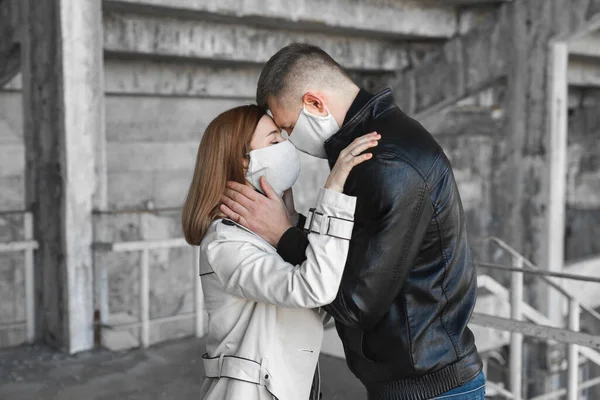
<point x="364" y="351"/>
<point x="354" y="339"/>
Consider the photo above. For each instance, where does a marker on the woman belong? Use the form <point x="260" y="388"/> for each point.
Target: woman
<point x="264" y="329"/>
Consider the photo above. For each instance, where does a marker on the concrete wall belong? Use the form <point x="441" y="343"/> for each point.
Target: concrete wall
<point x="151" y="146"/>
<point x="167" y="77"/>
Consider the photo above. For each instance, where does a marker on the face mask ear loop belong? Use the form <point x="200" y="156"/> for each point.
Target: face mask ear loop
<point x="316" y="116"/>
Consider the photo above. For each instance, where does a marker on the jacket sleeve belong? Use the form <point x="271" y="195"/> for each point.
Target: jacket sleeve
<point x="399" y="210"/>
<point x="251" y="273"/>
<point x="292" y="245"/>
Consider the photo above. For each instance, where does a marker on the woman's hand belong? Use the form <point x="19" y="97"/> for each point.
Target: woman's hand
<point x="349" y="158"/>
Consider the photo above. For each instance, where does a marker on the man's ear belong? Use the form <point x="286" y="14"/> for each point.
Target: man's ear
<point x="314" y="104"/>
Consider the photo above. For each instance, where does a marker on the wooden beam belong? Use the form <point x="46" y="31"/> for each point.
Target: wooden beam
<point x="395" y="19"/>
<point x="10" y="50"/>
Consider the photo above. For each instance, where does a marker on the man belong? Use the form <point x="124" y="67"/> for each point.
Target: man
<point x="409" y="285"/>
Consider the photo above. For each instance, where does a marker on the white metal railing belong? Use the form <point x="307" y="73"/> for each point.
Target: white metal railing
<point x="519" y="308"/>
<point x="28" y="246"/>
<point x="529" y="313"/>
<point x="145" y="322"/>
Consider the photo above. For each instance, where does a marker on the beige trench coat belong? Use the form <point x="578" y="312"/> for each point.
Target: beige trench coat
<point x="265" y="329"/>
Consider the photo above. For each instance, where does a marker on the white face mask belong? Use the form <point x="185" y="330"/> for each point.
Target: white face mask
<point x="279" y="164"/>
<point x="311" y="132"/>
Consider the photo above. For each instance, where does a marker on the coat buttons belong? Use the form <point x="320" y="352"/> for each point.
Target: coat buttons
<point x="266" y="376"/>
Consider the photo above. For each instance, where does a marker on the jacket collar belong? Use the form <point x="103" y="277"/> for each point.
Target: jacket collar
<point x="362" y="98"/>
<point x="377" y="105"/>
<point x="242" y="227"/>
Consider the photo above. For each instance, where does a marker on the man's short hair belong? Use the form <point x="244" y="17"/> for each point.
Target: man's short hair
<point x="292" y="67"/>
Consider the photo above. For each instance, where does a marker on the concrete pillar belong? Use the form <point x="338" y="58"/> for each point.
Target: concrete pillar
<point x="63" y="106"/>
<point x="537" y="101"/>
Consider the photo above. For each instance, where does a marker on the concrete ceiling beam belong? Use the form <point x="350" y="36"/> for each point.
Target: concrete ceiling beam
<point x="142" y="36"/>
<point x="587" y="46"/>
<point x="584" y="72"/>
<point x="465" y="2"/>
<point x="397" y="19"/>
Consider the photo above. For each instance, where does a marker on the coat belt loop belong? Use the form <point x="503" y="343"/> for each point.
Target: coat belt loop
<point x="264" y="374"/>
<point x="221" y="364"/>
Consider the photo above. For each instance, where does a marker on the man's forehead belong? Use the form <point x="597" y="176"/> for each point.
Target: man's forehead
<point x="281" y="114"/>
<point x="270" y="114"/>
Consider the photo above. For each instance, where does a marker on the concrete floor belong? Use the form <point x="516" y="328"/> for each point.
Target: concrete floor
<point x="170" y="371"/>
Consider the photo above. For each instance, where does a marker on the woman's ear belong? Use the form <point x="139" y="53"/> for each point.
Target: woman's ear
<point x="314" y="104"/>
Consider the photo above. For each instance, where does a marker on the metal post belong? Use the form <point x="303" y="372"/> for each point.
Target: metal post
<point x="516" y="339"/>
<point x="199" y="294"/>
<point x="145" y="299"/>
<point x="573" y="352"/>
<point x="29" y="283"/>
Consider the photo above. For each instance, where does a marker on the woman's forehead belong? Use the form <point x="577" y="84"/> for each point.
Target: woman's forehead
<point x="266" y="125"/>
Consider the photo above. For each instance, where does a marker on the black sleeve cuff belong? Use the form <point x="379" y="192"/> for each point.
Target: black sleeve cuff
<point x="301" y="221"/>
<point x="292" y="245"/>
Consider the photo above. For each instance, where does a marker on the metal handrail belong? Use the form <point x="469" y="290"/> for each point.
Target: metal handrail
<point x="145" y="246"/>
<point x="518" y="328"/>
<point x="28" y="245"/>
<point x="531" y="314"/>
<point x="539" y="272"/>
<point x="514" y="253"/>
<point x="561" y="392"/>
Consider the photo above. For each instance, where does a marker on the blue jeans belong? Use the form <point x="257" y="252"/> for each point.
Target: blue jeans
<point x="473" y="390"/>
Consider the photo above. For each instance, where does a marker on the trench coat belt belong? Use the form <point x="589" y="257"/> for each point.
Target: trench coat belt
<point x="317" y="222"/>
<point x="236" y="367"/>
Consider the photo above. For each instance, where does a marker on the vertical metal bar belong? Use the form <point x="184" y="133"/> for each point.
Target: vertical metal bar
<point x="199" y="294"/>
<point x="29" y="282"/>
<point x="101" y="290"/>
<point x="145" y="299"/>
<point x="553" y="252"/>
<point x="573" y="353"/>
<point x="557" y="170"/>
<point x="516" y="339"/>
<point x="485" y="360"/>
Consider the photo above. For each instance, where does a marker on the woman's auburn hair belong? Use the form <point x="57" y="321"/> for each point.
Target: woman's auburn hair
<point x="221" y="153"/>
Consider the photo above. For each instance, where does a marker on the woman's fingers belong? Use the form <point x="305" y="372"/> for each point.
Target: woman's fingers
<point x="350" y="157"/>
<point x="362" y="139"/>
<point x="362" y="146"/>
<point x="360" y="159"/>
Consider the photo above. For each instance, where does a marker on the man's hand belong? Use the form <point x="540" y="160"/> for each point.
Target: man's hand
<point x="265" y="216"/>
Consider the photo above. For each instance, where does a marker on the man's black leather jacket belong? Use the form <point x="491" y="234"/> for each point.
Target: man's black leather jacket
<point x="409" y="285"/>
